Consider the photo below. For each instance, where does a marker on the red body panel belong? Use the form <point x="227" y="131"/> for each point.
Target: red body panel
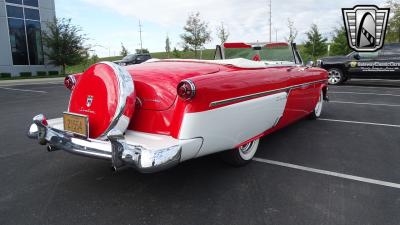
<point x="156" y="83"/>
<point x="162" y="112"/>
<point x="244" y="45"/>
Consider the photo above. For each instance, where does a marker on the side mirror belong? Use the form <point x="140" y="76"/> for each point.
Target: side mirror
<point x="356" y="56"/>
<point x="310" y="63"/>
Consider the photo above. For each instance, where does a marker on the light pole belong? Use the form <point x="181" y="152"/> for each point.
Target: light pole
<point x="140" y="34"/>
<point x="270" y="20"/>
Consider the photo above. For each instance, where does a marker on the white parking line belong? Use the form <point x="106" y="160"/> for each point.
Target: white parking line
<point x="23" y="90"/>
<point x="364" y="103"/>
<point x="362" y="93"/>
<point x="366" y="87"/>
<point x="387" y="80"/>
<point x="329" y="173"/>
<point x="359" y="122"/>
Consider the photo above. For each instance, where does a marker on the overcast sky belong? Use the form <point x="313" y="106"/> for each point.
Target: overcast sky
<point x="107" y="23"/>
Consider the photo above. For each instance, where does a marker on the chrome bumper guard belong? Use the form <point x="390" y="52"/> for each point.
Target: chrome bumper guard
<point x="121" y="153"/>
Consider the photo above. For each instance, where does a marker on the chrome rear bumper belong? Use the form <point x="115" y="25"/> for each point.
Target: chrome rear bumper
<point x="116" y="148"/>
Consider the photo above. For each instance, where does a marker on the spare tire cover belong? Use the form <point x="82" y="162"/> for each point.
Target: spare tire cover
<point x="105" y="93"/>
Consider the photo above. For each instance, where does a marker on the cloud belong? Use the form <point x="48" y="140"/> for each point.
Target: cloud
<point x="246" y="20"/>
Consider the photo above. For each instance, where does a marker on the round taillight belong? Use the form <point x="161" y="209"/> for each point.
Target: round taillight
<point x="70" y="82"/>
<point x="186" y="89"/>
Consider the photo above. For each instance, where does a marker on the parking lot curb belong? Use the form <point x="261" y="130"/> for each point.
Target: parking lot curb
<point x="5" y="83"/>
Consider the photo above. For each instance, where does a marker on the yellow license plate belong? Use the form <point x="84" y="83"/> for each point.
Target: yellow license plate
<point x="76" y="123"/>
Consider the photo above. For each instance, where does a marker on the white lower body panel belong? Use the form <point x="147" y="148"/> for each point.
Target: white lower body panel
<point x="214" y="130"/>
<point x="226" y="127"/>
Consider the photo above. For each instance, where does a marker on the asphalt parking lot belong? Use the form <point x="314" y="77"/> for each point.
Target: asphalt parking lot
<point x="342" y="169"/>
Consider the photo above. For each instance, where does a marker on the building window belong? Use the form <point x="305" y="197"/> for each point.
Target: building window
<point x="33" y="3"/>
<point x="18" y="42"/>
<point x="34" y="36"/>
<point x="31" y="14"/>
<point x="14" y="1"/>
<point x="25" y="32"/>
<point x="15" y="12"/>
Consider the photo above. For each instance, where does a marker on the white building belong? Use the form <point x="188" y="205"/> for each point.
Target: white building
<point x="21" y="25"/>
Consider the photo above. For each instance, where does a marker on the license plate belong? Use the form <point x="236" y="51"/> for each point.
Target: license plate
<point x="76" y="123"/>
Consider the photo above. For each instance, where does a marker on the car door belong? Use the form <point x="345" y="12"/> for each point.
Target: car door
<point x="363" y="65"/>
<point x="139" y="59"/>
<point x="388" y="64"/>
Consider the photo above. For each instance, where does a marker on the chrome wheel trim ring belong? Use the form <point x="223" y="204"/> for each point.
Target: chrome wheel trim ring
<point x="334" y="76"/>
<point x="248" y="150"/>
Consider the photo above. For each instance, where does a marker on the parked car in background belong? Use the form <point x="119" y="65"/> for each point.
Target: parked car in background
<point x="157" y="114"/>
<point x="133" y="59"/>
<point x="382" y="64"/>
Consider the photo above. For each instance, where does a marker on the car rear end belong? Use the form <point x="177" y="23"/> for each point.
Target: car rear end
<point x="128" y="115"/>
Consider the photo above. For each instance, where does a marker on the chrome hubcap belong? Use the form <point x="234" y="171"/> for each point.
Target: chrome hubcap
<point x="246" y="148"/>
<point x="334" y="76"/>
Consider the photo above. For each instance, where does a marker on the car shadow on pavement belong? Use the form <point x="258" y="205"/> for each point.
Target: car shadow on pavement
<point x="372" y="83"/>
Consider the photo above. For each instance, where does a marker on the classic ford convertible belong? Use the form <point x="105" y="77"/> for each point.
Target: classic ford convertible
<point x="157" y="114"/>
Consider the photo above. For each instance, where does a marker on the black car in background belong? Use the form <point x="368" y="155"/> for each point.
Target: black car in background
<point x="382" y="64"/>
<point x="133" y="59"/>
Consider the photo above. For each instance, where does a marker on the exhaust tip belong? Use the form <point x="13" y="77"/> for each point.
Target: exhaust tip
<point x="51" y="148"/>
<point x="116" y="169"/>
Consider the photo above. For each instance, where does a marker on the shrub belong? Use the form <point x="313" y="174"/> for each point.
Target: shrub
<point x="41" y="73"/>
<point x="25" y="74"/>
<point x="53" y="73"/>
<point x="5" y="75"/>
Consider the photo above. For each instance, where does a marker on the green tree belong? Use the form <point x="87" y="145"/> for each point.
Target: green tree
<point x="167" y="46"/>
<point x="196" y="33"/>
<point x="222" y="33"/>
<point x="315" y="45"/>
<point x="124" y="52"/>
<point x="340" y="45"/>
<point x="144" y="50"/>
<point x="64" y="43"/>
<point x="176" y="53"/>
<point x="393" y="28"/>
<point x="94" y="58"/>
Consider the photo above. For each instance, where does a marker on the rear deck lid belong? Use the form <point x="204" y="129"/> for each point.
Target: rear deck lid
<point x="156" y="83"/>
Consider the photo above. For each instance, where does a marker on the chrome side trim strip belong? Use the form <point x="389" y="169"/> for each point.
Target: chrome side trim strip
<point x="260" y="94"/>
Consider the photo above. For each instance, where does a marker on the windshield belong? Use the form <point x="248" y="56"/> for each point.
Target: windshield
<point x="269" y="53"/>
<point x="129" y="57"/>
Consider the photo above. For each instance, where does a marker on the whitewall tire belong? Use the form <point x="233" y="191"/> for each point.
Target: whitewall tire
<point x="316" y="113"/>
<point x="242" y="155"/>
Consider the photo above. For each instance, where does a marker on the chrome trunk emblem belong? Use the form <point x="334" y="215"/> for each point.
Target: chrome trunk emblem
<point x="365" y="27"/>
<point x="89" y="100"/>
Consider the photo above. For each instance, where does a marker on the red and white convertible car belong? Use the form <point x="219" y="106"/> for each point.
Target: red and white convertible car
<point x="157" y="114"/>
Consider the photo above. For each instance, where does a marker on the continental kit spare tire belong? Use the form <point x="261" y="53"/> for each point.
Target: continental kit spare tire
<point x="106" y="94"/>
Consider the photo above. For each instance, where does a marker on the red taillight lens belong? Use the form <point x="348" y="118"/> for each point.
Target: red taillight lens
<point x="186" y="89"/>
<point x="70" y="82"/>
